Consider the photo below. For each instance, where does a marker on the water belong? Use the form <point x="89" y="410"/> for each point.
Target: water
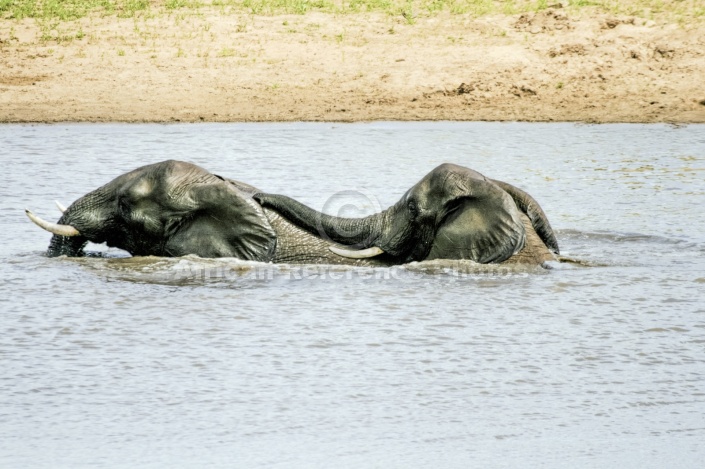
<point x="125" y="362"/>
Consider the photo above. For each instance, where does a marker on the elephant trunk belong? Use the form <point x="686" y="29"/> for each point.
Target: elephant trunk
<point x="66" y="246"/>
<point x="87" y="217"/>
<point x="357" y="233"/>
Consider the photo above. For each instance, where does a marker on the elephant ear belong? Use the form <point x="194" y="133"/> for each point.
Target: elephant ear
<point x="533" y="210"/>
<point x="481" y="221"/>
<point x="223" y="221"/>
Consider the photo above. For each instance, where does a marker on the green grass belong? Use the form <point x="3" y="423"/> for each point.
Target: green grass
<point x="226" y="52"/>
<point x="67" y="10"/>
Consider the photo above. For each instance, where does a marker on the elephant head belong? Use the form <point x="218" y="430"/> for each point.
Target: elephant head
<point x="166" y="209"/>
<point x="453" y="212"/>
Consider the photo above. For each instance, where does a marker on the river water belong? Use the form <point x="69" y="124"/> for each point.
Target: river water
<point x="111" y="361"/>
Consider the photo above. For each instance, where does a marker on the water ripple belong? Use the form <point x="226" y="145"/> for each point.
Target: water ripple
<point x="112" y="361"/>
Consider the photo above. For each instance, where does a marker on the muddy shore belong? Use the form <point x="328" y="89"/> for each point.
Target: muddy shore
<point x="550" y="65"/>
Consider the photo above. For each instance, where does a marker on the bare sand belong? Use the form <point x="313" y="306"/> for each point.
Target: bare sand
<point x="552" y="65"/>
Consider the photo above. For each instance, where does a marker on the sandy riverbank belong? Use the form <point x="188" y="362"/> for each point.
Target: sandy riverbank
<point x="555" y="64"/>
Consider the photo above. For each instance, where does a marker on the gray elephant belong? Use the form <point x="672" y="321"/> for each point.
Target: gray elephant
<point x="452" y="213"/>
<point x="174" y="208"/>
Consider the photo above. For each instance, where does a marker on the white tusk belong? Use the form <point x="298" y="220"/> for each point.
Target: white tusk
<point x="361" y="254"/>
<point x="57" y="229"/>
<point x="60" y="206"/>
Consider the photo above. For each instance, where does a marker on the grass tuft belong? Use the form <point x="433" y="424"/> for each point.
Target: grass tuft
<point x="69" y="10"/>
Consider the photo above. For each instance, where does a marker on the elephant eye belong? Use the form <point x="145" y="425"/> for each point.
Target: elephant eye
<point x="123" y="204"/>
<point x="413" y="209"/>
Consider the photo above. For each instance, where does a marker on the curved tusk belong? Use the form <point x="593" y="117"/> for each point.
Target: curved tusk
<point x="60" y="206"/>
<point x="57" y="229"/>
<point x="361" y="254"/>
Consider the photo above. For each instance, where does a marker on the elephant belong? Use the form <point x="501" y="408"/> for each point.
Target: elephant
<point x="452" y="213"/>
<point x="175" y="208"/>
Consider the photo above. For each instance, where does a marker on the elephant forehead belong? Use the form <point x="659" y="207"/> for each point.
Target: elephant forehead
<point x="141" y="188"/>
<point x="181" y="178"/>
<point x="144" y="181"/>
<point x="441" y="174"/>
<point x="445" y="179"/>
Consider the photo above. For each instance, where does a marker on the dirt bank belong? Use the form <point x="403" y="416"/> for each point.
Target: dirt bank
<point x="544" y="66"/>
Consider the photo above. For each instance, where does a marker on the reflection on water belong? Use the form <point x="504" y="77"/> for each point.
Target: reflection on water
<point x="112" y="361"/>
<point x="193" y="270"/>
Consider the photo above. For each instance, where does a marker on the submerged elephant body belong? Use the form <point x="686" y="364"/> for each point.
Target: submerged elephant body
<point x="174" y="208"/>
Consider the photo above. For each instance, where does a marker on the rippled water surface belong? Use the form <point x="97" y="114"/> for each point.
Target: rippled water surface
<point x="146" y="362"/>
